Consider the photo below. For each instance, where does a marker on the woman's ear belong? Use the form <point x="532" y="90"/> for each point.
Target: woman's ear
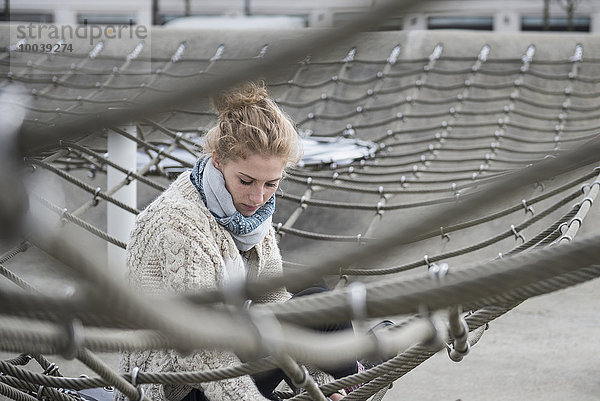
<point x="215" y="160"/>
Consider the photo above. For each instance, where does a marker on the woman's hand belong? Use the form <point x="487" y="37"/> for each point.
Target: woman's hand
<point x="335" y="397"/>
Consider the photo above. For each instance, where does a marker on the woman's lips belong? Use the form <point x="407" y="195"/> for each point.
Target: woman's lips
<point x="250" y="208"/>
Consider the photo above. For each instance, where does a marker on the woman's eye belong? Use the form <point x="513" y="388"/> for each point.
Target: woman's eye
<point x="271" y="185"/>
<point x="245" y="182"/>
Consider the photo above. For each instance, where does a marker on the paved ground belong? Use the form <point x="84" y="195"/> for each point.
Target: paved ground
<point x="547" y="349"/>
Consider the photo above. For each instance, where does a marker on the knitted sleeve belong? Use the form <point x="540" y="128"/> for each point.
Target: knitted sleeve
<point x="192" y="262"/>
<point x="181" y="257"/>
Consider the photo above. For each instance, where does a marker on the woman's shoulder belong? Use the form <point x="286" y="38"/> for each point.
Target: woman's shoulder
<point x="179" y="206"/>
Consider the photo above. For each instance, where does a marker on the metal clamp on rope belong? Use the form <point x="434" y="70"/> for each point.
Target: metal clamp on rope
<point x="74" y="339"/>
<point x="342" y="282"/>
<point x="128" y="178"/>
<point x="577" y="219"/>
<point x="33" y="166"/>
<point x="585" y="188"/>
<point x="95" y="198"/>
<point x="381" y="351"/>
<point x="587" y="199"/>
<point x="92" y="170"/>
<point x="134" y="376"/>
<point x="51" y="369"/>
<point x="358" y="238"/>
<point x="444" y="235"/>
<point x="528" y="209"/>
<point x="40" y="395"/>
<point x="456" y="355"/>
<point x="518" y="235"/>
<point x="303" y="204"/>
<point x="460" y="346"/>
<point x="134" y="382"/>
<point x="438" y="272"/>
<point x="63" y="218"/>
<point x="464" y="335"/>
<point x="566" y="237"/>
<point x="563" y="228"/>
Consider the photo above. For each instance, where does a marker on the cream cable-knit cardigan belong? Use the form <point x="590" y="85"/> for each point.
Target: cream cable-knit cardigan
<point x="176" y="245"/>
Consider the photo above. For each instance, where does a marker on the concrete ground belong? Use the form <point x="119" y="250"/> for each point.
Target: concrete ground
<point x="548" y="348"/>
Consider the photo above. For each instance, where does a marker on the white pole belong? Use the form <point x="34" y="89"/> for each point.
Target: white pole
<point x="119" y="222"/>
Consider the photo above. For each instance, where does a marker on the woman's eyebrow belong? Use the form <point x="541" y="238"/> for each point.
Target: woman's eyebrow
<point x="254" y="179"/>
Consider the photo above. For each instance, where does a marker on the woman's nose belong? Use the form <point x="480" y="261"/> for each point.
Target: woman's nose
<point x="256" y="195"/>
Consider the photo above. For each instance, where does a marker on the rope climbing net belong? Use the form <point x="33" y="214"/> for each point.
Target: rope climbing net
<point x="484" y="171"/>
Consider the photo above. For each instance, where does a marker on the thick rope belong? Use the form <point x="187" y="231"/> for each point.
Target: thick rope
<point x="472" y="285"/>
<point x="64" y="214"/>
<point x="15" y="394"/>
<point x="133" y="174"/>
<point x="102" y="369"/>
<point x="97" y="192"/>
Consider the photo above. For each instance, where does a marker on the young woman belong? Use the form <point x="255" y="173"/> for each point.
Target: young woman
<point x="212" y="226"/>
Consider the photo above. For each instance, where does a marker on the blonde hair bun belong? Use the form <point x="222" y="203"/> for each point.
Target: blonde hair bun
<point x="249" y="94"/>
<point x="250" y="122"/>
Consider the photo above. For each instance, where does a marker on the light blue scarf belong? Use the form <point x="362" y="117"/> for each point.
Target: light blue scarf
<point x="246" y="231"/>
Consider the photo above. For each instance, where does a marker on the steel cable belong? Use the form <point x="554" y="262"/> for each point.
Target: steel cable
<point x="86" y="187"/>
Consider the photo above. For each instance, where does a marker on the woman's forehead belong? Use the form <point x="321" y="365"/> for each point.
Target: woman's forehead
<point x="259" y="167"/>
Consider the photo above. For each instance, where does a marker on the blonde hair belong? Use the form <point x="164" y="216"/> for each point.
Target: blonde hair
<point x="249" y="123"/>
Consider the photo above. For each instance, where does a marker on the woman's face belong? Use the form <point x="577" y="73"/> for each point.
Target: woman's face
<point x="250" y="181"/>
